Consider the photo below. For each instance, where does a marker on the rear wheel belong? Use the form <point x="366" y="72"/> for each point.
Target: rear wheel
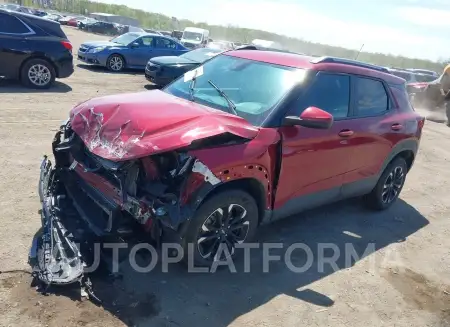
<point x="115" y="63"/>
<point x="38" y="74"/>
<point x="219" y="225"/>
<point x="389" y="185"/>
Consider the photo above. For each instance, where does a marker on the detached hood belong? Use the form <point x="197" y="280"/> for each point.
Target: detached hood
<point x="171" y="60"/>
<point x="129" y="126"/>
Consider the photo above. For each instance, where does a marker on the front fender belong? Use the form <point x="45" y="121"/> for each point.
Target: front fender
<point x="252" y="160"/>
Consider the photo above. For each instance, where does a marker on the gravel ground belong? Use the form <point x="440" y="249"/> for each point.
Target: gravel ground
<point x="403" y="281"/>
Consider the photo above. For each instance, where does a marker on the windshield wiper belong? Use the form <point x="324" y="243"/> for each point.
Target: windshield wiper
<point x="192" y="86"/>
<point x="231" y="105"/>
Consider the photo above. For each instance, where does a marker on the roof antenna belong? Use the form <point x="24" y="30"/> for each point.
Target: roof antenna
<point x="360" y="49"/>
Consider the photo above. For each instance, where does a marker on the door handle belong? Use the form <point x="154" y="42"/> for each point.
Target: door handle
<point x="396" y="127"/>
<point x="346" y="133"/>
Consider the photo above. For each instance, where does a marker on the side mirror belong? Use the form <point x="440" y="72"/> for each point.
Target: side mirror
<point x="311" y="117"/>
<point x="135" y="45"/>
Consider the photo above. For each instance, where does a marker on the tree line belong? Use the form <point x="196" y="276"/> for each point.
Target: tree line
<point x="238" y="34"/>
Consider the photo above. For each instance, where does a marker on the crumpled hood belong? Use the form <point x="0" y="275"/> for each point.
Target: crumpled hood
<point x="129" y="126"/>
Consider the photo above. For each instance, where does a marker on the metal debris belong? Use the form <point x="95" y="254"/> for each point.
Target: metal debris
<point x="201" y="168"/>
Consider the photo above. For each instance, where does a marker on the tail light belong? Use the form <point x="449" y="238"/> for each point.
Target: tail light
<point x="67" y="45"/>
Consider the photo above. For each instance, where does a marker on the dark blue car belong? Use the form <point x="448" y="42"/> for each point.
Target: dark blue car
<point x="130" y="50"/>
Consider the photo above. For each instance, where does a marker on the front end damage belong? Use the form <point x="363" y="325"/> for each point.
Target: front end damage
<point x="86" y="198"/>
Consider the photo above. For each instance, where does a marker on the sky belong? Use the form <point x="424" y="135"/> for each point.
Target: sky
<point x="413" y="28"/>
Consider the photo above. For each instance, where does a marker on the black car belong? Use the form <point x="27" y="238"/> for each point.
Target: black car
<point x="33" y="50"/>
<point x="102" y="28"/>
<point x="163" y="70"/>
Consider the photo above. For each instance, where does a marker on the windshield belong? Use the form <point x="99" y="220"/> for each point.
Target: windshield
<point x="201" y="55"/>
<point x="194" y="36"/>
<point x="125" y="39"/>
<point x="253" y="87"/>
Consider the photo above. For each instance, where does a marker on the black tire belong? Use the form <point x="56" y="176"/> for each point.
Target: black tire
<point x="29" y="75"/>
<point x="389" y="185"/>
<point x="114" y="60"/>
<point x="204" y="216"/>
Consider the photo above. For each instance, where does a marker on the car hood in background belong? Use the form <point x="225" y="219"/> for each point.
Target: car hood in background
<point x="129" y="126"/>
<point x="172" y="60"/>
<point x="94" y="44"/>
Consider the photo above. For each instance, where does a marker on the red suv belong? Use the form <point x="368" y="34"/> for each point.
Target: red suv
<point x="245" y="139"/>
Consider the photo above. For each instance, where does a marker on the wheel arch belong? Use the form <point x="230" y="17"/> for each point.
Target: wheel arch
<point x="248" y="184"/>
<point x="406" y="149"/>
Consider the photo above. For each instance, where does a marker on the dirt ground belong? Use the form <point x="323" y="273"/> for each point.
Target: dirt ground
<point x="404" y="281"/>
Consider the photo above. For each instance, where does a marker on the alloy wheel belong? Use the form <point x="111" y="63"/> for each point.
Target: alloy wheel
<point x="116" y="63"/>
<point x="225" y="227"/>
<point x="39" y="75"/>
<point x="393" y="185"/>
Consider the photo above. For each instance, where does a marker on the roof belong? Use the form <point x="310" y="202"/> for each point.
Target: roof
<point x="306" y="62"/>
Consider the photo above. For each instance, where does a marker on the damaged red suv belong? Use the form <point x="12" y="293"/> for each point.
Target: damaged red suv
<point x="245" y="139"/>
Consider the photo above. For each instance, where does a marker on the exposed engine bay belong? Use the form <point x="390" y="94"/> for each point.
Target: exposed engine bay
<point x="86" y="198"/>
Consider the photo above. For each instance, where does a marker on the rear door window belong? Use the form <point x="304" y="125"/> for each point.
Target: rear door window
<point x="146" y="41"/>
<point x="371" y="98"/>
<point x="162" y="43"/>
<point x="11" y="25"/>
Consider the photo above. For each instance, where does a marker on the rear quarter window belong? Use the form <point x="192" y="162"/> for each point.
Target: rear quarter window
<point x="371" y="97"/>
<point x="11" y="25"/>
<point x="45" y="26"/>
<point x="402" y="97"/>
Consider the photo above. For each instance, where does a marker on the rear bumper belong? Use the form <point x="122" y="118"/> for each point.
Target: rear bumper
<point x="65" y="68"/>
<point x="63" y="62"/>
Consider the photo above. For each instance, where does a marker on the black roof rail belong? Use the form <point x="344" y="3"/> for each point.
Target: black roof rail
<point x="335" y="60"/>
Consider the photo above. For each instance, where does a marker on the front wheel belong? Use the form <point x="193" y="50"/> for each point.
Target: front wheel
<point x="115" y="63"/>
<point x="389" y="185"/>
<point x="220" y="224"/>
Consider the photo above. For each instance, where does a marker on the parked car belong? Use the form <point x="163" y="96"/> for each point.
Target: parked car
<point x="177" y="34"/>
<point x="33" y="50"/>
<point x="165" y="33"/>
<point x="151" y="31"/>
<point x="40" y="13"/>
<point x="82" y="23"/>
<point x="54" y="17"/>
<point x="130" y="50"/>
<point x="410" y="76"/>
<point x="248" y="138"/>
<point x="163" y="70"/>
<point x="222" y="45"/>
<point x="73" y="22"/>
<point x="424" y="72"/>
<point x="65" y="20"/>
<point x="102" y="28"/>
<point x="11" y="6"/>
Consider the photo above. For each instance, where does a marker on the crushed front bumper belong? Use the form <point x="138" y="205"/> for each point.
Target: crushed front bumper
<point x="54" y="256"/>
